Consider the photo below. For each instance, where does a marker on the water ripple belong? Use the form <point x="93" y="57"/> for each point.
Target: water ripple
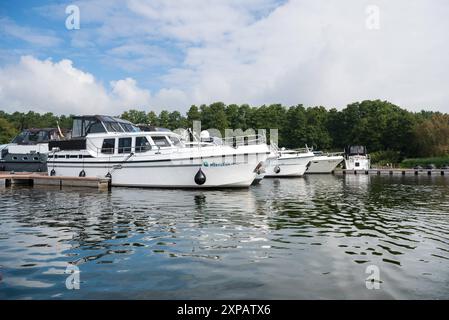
<point x="317" y="232"/>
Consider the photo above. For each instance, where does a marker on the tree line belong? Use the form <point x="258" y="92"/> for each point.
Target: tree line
<point x="387" y="130"/>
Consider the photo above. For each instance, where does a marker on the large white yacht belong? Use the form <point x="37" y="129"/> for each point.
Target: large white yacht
<point x="324" y="163"/>
<point x="357" y="158"/>
<point x="287" y="163"/>
<point x="103" y="146"/>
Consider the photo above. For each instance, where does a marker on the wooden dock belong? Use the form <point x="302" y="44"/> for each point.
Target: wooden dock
<point x="32" y="179"/>
<point x="403" y="172"/>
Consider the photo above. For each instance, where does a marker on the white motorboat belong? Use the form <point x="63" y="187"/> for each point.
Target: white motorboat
<point x="357" y="158"/>
<point x="287" y="163"/>
<point x="103" y="146"/>
<point x="324" y="163"/>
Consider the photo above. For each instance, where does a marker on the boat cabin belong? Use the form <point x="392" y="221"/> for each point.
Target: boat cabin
<point x="113" y="136"/>
<point x="84" y="125"/>
<point x="35" y="136"/>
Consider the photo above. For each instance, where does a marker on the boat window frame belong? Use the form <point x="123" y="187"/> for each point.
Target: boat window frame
<point x="93" y="124"/>
<point x="125" y="150"/>
<point x="167" y="140"/>
<point x="109" y="149"/>
<point x="173" y="143"/>
<point x="142" y="148"/>
<point x="112" y="126"/>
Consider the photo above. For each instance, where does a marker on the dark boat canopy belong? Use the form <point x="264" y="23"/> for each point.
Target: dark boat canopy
<point x="355" y="150"/>
<point x="35" y="136"/>
<point x="83" y="125"/>
<point x="148" y="127"/>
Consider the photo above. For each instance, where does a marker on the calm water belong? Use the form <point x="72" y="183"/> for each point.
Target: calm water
<point x="300" y="238"/>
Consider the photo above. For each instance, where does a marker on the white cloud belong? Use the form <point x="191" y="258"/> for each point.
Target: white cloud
<point x="261" y="51"/>
<point x="129" y="93"/>
<point x="321" y="53"/>
<point x="59" y="87"/>
<point x="34" y="37"/>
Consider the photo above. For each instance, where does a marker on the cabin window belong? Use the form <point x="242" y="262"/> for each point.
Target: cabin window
<point x="108" y="146"/>
<point x="127" y="127"/>
<point x="142" y="144"/>
<point x="357" y="164"/>
<point x="35" y="158"/>
<point x="124" y="145"/>
<point x="25" y="158"/>
<point x="96" y="127"/>
<point x="113" y="127"/>
<point x="14" y="158"/>
<point x="161" y="141"/>
<point x="175" y="141"/>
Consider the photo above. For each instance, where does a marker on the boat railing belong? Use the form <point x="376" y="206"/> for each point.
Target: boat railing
<point x="237" y="141"/>
<point x="331" y="154"/>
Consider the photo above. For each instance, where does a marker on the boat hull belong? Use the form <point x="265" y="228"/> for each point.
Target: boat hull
<point x="287" y="167"/>
<point x="324" y="164"/>
<point x="357" y="163"/>
<point x="24" y="162"/>
<point x="220" y="172"/>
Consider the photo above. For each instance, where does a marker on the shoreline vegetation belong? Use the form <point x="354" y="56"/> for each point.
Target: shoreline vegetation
<point x="393" y="135"/>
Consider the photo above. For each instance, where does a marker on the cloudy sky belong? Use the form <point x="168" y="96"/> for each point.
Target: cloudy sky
<point x="169" y="54"/>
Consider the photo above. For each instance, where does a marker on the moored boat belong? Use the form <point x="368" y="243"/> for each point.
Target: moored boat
<point x="28" y="150"/>
<point x="287" y="163"/>
<point x="103" y="146"/>
<point x="357" y="158"/>
<point x="324" y="163"/>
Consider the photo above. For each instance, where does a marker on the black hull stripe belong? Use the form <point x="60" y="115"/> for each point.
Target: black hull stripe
<point x="144" y="161"/>
<point x="80" y="166"/>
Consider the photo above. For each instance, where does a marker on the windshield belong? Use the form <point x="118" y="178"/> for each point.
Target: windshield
<point x="354" y="150"/>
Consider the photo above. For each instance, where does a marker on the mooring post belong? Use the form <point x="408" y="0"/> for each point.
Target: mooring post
<point x="104" y="184"/>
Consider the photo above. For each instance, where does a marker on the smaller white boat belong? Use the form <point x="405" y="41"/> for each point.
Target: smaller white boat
<point x="287" y="163"/>
<point x="357" y="158"/>
<point x="324" y="163"/>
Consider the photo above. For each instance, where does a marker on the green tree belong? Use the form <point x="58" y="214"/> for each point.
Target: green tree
<point x="152" y="118"/>
<point x="214" y="116"/>
<point x="193" y="114"/>
<point x="135" y="116"/>
<point x="432" y="136"/>
<point x="164" y="119"/>
<point x="176" y="120"/>
<point x="7" y="131"/>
